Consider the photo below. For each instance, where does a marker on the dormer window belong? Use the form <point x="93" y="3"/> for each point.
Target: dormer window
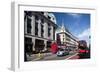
<point x="49" y="17"/>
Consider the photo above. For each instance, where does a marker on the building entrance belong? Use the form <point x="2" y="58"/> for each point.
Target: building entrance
<point x="39" y="45"/>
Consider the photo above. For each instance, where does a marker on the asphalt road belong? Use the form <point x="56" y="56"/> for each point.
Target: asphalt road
<point x="49" y="56"/>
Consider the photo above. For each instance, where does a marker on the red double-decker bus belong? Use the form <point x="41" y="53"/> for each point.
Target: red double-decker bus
<point x="84" y="51"/>
<point x="82" y="44"/>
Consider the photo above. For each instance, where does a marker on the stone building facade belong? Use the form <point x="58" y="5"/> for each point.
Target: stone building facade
<point x="39" y="30"/>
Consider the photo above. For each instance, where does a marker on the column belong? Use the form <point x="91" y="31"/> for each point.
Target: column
<point x="39" y="28"/>
<point x="25" y="25"/>
<point x="45" y="30"/>
<point x="33" y="25"/>
<point x="33" y="40"/>
<point x="45" y="47"/>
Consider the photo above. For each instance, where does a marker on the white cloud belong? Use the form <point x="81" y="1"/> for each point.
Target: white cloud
<point x="75" y="15"/>
<point x="85" y="35"/>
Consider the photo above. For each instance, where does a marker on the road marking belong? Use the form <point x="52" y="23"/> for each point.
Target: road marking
<point x="72" y="56"/>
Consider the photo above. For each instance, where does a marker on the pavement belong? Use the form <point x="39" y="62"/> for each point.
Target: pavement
<point x="50" y="56"/>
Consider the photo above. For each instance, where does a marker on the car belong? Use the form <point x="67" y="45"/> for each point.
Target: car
<point x="62" y="52"/>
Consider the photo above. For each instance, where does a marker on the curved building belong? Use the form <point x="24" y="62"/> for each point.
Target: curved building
<point x="39" y="30"/>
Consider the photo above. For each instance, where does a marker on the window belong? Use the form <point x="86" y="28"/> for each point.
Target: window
<point x="29" y="13"/>
<point x="28" y="40"/>
<point x="28" y="45"/>
<point x="42" y="12"/>
<point x="42" y="21"/>
<point x="49" y="33"/>
<point x="29" y="25"/>
<point x="42" y="31"/>
<point x="48" y="44"/>
<point x="63" y="36"/>
<point x="53" y="18"/>
<point x="54" y="33"/>
<point x="49" y="29"/>
<point x="58" y="39"/>
<point x="49" y="17"/>
<point x="63" y="39"/>
<point x="36" y="28"/>
<point x="28" y="30"/>
<point x="68" y="39"/>
<point x="36" y="17"/>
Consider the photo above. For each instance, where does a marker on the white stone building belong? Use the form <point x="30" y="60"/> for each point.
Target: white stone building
<point x="39" y="30"/>
<point x="66" y="37"/>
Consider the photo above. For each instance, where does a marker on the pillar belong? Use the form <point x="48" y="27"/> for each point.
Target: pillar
<point x="33" y="40"/>
<point x="25" y="25"/>
<point x="33" y="25"/>
<point x="45" y="30"/>
<point x="39" y="28"/>
<point x="45" y="47"/>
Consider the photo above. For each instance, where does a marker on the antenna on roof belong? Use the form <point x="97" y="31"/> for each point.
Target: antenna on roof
<point x="63" y="26"/>
<point x="62" y="22"/>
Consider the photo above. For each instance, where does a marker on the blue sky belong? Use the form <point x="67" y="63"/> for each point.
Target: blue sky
<point x="77" y="23"/>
